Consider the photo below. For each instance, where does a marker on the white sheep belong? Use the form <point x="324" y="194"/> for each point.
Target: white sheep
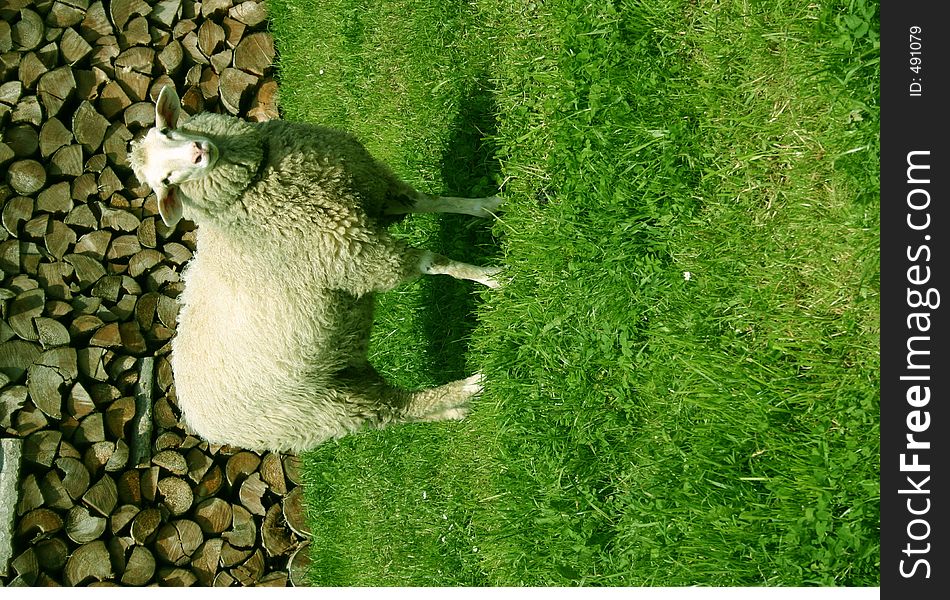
<point x="271" y="347"/>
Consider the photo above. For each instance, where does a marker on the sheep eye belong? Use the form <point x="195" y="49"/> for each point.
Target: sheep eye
<point x="164" y="131"/>
<point x="167" y="181"/>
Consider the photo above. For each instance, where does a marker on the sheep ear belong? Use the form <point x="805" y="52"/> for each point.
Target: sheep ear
<point x="167" y="108"/>
<point x="169" y="205"/>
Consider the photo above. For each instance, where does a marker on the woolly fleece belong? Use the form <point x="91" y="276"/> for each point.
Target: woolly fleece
<point x="271" y="348"/>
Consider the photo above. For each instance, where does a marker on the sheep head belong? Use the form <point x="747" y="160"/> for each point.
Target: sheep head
<point x="167" y="157"/>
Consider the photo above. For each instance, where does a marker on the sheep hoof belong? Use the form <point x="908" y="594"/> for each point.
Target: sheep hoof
<point x="453" y="414"/>
<point x="473" y="385"/>
<point x="491" y="205"/>
<point x="490" y="277"/>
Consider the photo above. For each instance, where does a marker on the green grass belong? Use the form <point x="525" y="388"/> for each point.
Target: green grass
<point x="640" y="426"/>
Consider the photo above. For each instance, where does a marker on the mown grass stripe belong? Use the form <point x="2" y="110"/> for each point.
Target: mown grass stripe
<point x="639" y="427"/>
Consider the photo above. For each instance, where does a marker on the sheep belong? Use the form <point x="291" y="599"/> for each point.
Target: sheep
<point x="271" y="346"/>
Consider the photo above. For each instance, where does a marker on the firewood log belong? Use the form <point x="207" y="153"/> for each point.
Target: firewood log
<point x="295" y="512"/>
<point x="90" y="562"/>
<point x="213" y="515"/>
<point x="140" y="567"/>
<point x="177" y="541"/>
<point x="299" y="565"/>
<point x="82" y="526"/>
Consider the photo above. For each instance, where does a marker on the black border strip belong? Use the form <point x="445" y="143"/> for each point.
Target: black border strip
<point x="914" y="265"/>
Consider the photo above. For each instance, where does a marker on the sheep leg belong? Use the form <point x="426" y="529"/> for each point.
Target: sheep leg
<point x="404" y="264"/>
<point x="442" y="403"/>
<point x="373" y="401"/>
<point x="424" y="203"/>
<point x="431" y="263"/>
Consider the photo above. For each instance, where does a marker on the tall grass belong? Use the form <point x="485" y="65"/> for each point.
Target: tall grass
<point x="683" y="369"/>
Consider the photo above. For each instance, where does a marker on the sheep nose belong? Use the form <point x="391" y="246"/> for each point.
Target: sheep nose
<point x="196" y="152"/>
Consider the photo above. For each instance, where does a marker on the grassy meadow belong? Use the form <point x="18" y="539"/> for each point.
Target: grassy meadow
<point x="682" y="370"/>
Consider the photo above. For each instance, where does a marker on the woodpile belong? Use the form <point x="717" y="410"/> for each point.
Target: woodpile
<point x="113" y="488"/>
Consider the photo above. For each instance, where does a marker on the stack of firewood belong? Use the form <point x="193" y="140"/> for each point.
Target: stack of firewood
<point x="113" y="488"/>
